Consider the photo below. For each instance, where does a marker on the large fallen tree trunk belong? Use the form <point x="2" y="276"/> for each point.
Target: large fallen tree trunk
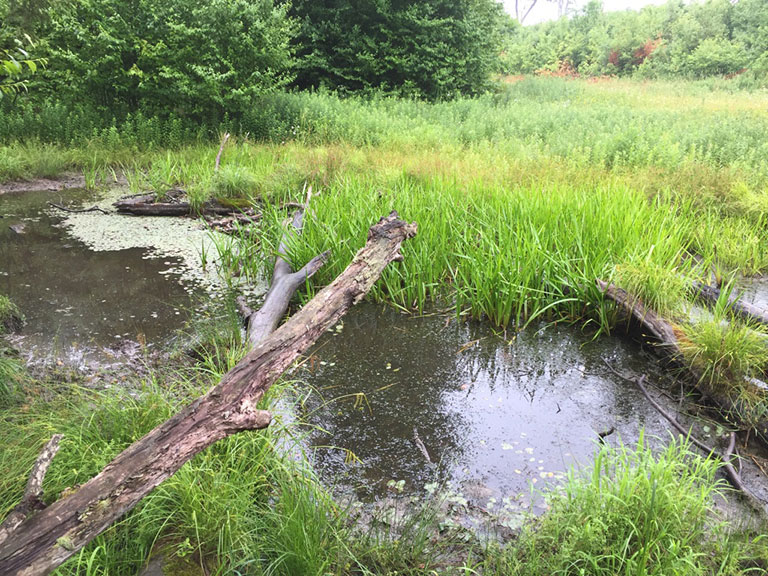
<point x="668" y="338"/>
<point x="44" y="540"/>
<point x="744" y="310"/>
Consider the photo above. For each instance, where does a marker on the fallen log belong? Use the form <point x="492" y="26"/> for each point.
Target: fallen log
<point x="146" y="206"/>
<point x="744" y="310"/>
<point x="42" y="541"/>
<point x="284" y="284"/>
<point x="667" y="338"/>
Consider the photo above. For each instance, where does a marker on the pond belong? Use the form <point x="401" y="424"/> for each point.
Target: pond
<point x="434" y="399"/>
<point x="92" y="286"/>
<point x="393" y="401"/>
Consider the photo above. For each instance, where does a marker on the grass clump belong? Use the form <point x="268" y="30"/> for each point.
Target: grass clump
<point x="662" y="287"/>
<point x="11" y="318"/>
<point x="726" y="353"/>
<point x="724" y="350"/>
<point x="636" y="513"/>
<point x="234" y="182"/>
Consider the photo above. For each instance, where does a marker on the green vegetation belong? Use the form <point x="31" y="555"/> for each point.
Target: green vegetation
<point x="713" y="38"/>
<point x="725" y="351"/>
<point x="636" y="513"/>
<point x="242" y="501"/>
<point x="525" y="190"/>
<point x="10" y="315"/>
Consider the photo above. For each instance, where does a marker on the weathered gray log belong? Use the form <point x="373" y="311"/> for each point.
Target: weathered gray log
<point x="284" y="284"/>
<point x="668" y="339"/>
<point x="46" y="539"/>
<point x="744" y="310"/>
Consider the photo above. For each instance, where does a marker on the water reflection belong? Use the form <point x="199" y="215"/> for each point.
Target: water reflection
<point x="76" y="300"/>
<point x="492" y="414"/>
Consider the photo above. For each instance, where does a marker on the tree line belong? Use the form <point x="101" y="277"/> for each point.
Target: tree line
<point x="208" y="61"/>
<point x="202" y="59"/>
<point x="677" y="39"/>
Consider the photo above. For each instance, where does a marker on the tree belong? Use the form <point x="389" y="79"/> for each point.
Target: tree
<point x="197" y="60"/>
<point x="15" y="65"/>
<point x="427" y="48"/>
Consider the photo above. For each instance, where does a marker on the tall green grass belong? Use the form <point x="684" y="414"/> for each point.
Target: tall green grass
<point x="242" y="506"/>
<point x="508" y="254"/>
<point x="633" y="513"/>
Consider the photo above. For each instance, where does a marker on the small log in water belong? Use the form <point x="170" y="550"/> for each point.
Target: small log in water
<point x="668" y="339"/>
<point x="744" y="310"/>
<point x="146" y="206"/>
<point x="42" y="541"/>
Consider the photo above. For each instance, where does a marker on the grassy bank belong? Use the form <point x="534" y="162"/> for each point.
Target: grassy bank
<point x="523" y="197"/>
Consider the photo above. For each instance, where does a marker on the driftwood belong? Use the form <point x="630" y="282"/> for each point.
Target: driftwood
<point x="744" y="310"/>
<point x="32" y="499"/>
<point x="668" y="338"/>
<point x="44" y="540"/>
<point x="233" y="223"/>
<point x="285" y="282"/>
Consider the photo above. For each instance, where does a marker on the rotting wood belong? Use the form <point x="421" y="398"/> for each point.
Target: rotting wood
<point x="668" y="344"/>
<point x="33" y="493"/>
<point x="46" y="539"/>
<point x="744" y="310"/>
<point x="235" y="222"/>
<point x="146" y="206"/>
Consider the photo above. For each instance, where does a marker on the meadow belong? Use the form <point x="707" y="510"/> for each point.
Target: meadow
<point x="523" y="197"/>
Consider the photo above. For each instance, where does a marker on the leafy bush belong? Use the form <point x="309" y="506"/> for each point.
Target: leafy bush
<point x="716" y="56"/>
<point x="167" y="58"/>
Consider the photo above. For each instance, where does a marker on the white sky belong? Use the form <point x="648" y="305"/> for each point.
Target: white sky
<point x="548" y="10"/>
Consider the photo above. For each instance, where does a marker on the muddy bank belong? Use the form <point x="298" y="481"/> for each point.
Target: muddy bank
<point x="63" y="182"/>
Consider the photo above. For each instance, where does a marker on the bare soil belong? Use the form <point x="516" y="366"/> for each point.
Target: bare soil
<point x="62" y="182"/>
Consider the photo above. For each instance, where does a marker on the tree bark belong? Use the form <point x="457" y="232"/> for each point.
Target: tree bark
<point x="669" y="339"/>
<point x="46" y="539"/>
<point x="284" y="284"/>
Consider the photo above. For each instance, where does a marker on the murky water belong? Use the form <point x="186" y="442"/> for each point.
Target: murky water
<point x="495" y="415"/>
<point x="81" y="299"/>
